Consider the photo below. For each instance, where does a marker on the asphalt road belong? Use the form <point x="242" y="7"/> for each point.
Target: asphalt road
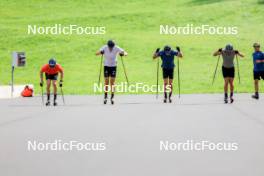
<point x="131" y="132"/>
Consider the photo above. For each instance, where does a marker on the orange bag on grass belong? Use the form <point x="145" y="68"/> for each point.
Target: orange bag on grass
<point x="27" y="92"/>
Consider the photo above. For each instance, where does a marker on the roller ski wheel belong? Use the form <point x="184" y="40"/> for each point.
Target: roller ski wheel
<point x="225" y="100"/>
<point x="255" y="97"/>
<point x="232" y="100"/>
<point x="47" y="103"/>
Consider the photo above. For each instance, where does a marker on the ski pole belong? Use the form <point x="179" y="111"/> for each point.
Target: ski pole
<point x="216" y="69"/>
<point x="124" y="70"/>
<point x="62" y="95"/>
<point x="42" y="96"/>
<point x="179" y="78"/>
<point x="157" y="93"/>
<point x="238" y="73"/>
<point x="99" y="80"/>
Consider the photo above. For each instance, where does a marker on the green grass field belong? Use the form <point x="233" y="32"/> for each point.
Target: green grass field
<point x="134" y="24"/>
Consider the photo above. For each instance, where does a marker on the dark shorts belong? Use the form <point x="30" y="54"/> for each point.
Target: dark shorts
<point x="109" y="72"/>
<point x="168" y="73"/>
<point x="258" y="75"/>
<point x="228" y="72"/>
<point x="51" y="77"/>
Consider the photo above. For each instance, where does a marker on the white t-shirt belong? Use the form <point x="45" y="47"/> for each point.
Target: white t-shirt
<point x="110" y="57"/>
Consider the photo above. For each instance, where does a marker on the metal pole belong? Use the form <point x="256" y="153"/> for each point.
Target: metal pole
<point x="99" y="80"/>
<point x="238" y="72"/>
<point x="157" y="93"/>
<point x="216" y="69"/>
<point x="125" y="70"/>
<point x="179" y="78"/>
<point x="12" y="81"/>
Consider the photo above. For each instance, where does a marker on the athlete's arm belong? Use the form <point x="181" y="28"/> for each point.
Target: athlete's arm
<point x="42" y="70"/>
<point x="41" y="76"/>
<point x="180" y="54"/>
<point x="258" y="61"/>
<point x="100" y="52"/>
<point x="262" y="59"/>
<point x="156" y="54"/>
<point x="218" y="52"/>
<point x="123" y="53"/>
<point x="239" y="54"/>
<point x="61" y="75"/>
<point x="60" y="69"/>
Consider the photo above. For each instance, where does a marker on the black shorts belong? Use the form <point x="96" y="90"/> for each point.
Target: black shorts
<point x="51" y="77"/>
<point x="168" y="73"/>
<point x="109" y="72"/>
<point x="228" y="72"/>
<point x="258" y="75"/>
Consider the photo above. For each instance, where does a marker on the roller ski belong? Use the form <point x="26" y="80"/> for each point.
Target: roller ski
<point x="48" y="103"/>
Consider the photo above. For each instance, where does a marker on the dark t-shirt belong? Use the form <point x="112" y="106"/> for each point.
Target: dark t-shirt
<point x="258" y="61"/>
<point x="168" y="60"/>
